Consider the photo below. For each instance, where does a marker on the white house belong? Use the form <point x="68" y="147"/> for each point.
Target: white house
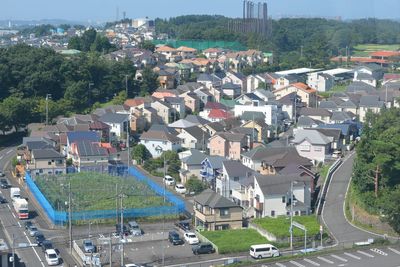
<point x="270" y="111"/>
<point x="194" y="138"/>
<point x="272" y="195"/>
<point x="118" y="124"/>
<point x="160" y="138"/>
<point x="312" y="144"/>
<point x="321" y="81"/>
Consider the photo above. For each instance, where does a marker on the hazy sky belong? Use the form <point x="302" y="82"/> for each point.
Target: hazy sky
<point x="105" y="10"/>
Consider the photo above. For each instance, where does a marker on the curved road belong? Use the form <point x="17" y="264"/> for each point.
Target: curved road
<point x="333" y="212"/>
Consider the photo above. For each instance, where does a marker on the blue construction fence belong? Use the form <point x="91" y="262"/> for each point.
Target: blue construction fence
<point x="61" y="217"/>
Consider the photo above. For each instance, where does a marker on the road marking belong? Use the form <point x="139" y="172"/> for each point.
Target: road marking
<point x="9" y="151"/>
<point x="297" y="264"/>
<point x="394" y="250"/>
<point x="312" y="262"/>
<point x="19" y="224"/>
<point x="365" y="253"/>
<point x="353" y="256"/>
<point x="378" y="251"/>
<point x="325" y="260"/>
<point x="13" y="215"/>
<point x="8" y="206"/>
<point x="1" y="157"/>
<point x="280" y="264"/>
<point x="339" y="258"/>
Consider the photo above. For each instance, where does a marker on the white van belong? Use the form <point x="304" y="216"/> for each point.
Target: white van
<point x="263" y="251"/>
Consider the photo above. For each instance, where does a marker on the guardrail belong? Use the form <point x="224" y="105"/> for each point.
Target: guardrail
<point x="322" y="195"/>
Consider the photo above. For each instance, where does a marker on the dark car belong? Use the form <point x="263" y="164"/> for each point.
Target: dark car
<point x="3" y="200"/>
<point x="39" y="238"/>
<point x="4" y="184"/>
<point x="174" y="238"/>
<point x="203" y="248"/>
<point x="28" y="224"/>
<point x="185" y="226"/>
<point x="125" y="231"/>
<point x="46" y="244"/>
<point x="2" y="174"/>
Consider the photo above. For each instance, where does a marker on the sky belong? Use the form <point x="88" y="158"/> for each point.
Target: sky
<point x="106" y="10"/>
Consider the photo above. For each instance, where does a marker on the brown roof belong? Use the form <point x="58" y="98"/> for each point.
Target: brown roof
<point x="186" y="49"/>
<point x="134" y="102"/>
<point x="165" y="48"/>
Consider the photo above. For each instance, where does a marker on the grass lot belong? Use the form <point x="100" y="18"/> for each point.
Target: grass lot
<point x="363" y="50"/>
<point x="96" y="191"/>
<point x="231" y="241"/>
<point x="280" y="226"/>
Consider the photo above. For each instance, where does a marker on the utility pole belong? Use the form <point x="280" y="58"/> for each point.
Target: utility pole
<point x="69" y="217"/>
<point x="13" y="249"/>
<point x="48" y="96"/>
<point x="122" y="231"/>
<point x="127" y="143"/>
<point x="110" y="250"/>
<point x="116" y="204"/>
<point x="377" y="171"/>
<point x="291" y="216"/>
<point x="163" y="226"/>
<point x="126" y="85"/>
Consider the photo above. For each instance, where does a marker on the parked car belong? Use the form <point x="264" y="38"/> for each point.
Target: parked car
<point x="39" y="238"/>
<point x="28" y="224"/>
<point x="134" y="228"/>
<point x="2" y="174"/>
<point x="174" y="238"/>
<point x="169" y="180"/>
<point x="185" y="226"/>
<point x="180" y="188"/>
<point x="125" y="231"/>
<point x="203" y="248"/>
<point x="3" y="199"/>
<point x="33" y="231"/>
<point x="191" y="238"/>
<point x="88" y="246"/>
<point x="4" y="184"/>
<point x="51" y="257"/>
<point x="46" y="244"/>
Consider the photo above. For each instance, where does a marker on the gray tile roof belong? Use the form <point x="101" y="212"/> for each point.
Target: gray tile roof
<point x="160" y="132"/>
<point x="314" y="112"/>
<point x="348" y="104"/>
<point x="305" y="121"/>
<point x="46" y="154"/>
<point x="340" y="116"/>
<point x="236" y="168"/>
<point x="196" y="119"/>
<point x="87" y="148"/>
<point x="328" y="105"/>
<point x="197" y="133"/>
<point x="195" y="158"/>
<point x="31" y="145"/>
<point x="371" y="101"/>
<point x="313" y="136"/>
<point x="278" y="184"/>
<point x="358" y="86"/>
<point x="213" y="200"/>
<point x="114" y="118"/>
<point x="233" y="137"/>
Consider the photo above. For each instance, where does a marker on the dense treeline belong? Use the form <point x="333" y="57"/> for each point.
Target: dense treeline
<point x="28" y="74"/>
<point x="378" y="151"/>
<point x="295" y="42"/>
<point x="91" y="40"/>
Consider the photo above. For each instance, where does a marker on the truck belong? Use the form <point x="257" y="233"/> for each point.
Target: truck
<point x="15" y="192"/>
<point x="21" y="208"/>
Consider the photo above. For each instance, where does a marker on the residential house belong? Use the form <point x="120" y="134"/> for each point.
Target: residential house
<point x="191" y="164"/>
<point x="236" y="78"/>
<point x="169" y="53"/>
<point x="209" y="80"/>
<point x="46" y="161"/>
<point x="358" y="87"/>
<point x="160" y="138"/>
<point x="369" y="74"/>
<point x="312" y="144"/>
<point x="194" y="138"/>
<point x="307" y="122"/>
<point x="204" y="95"/>
<point x="261" y="127"/>
<point x="271" y="111"/>
<point x="257" y="81"/>
<point x="213" y="128"/>
<point x="265" y="95"/>
<point x="102" y="128"/>
<point x="229" y="145"/>
<point x="87" y="155"/>
<point x="211" y="168"/>
<point x="73" y="137"/>
<point x="233" y="175"/>
<point x="118" y="124"/>
<point x="319" y="114"/>
<point x="192" y="101"/>
<point x="330" y="105"/>
<point x="164" y="111"/>
<point x="186" y="52"/>
<point x="215" y="212"/>
<point x="273" y="195"/>
<point x="167" y="78"/>
<point x="307" y="94"/>
<point x="349" y="131"/>
<point x="285" y="80"/>
<point x="231" y="90"/>
<point x="369" y="103"/>
<point x="321" y="81"/>
<point x="178" y="107"/>
<point x="336" y="135"/>
<point x="213" y="53"/>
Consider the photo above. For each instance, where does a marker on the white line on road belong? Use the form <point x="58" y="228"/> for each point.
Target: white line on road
<point x="325" y="260"/>
<point x="339" y="258"/>
<point x="19" y="224"/>
<point x="353" y="256"/>
<point x="365" y="253"/>
<point x="9" y="151"/>
<point x="312" y="262"/>
<point x="1" y="157"/>
<point x="394" y="250"/>
<point x="8" y="206"/>
<point x="378" y="251"/>
<point x="12" y="213"/>
<point x="280" y="264"/>
<point x="213" y="260"/>
<point x="297" y="264"/>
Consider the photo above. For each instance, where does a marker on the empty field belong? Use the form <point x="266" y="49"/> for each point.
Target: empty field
<point x="96" y="191"/>
<point x="365" y="49"/>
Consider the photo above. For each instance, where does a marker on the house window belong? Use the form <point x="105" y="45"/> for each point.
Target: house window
<point x="224" y="212"/>
<point x="49" y="163"/>
<point x="304" y="147"/>
<point x="283" y="199"/>
<point x="236" y="178"/>
<point x="318" y="148"/>
<point x="272" y="213"/>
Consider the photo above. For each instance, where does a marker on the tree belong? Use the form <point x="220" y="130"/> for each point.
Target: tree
<point x="391" y="209"/>
<point x="148" y="45"/>
<point x="78" y="95"/>
<point x="195" y="185"/>
<point x="149" y="82"/>
<point x="119" y="99"/>
<point x="140" y="153"/>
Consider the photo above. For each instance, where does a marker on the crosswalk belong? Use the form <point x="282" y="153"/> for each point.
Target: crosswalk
<point x="341" y="259"/>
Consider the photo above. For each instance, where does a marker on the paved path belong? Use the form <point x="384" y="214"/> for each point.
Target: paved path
<point x="333" y="213"/>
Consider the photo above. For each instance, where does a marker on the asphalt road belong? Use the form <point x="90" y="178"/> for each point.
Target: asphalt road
<point x="333" y="213"/>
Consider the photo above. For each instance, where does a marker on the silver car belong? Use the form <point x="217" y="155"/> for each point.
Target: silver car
<point x="33" y="230"/>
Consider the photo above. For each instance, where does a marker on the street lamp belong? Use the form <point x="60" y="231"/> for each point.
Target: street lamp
<point x="48" y="96"/>
<point x="291" y="214"/>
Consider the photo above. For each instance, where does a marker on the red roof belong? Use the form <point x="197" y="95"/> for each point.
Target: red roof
<point x="219" y="114"/>
<point x="134" y="102"/>
<point x="385" y="54"/>
<point x="391" y="76"/>
<point x="214" y="105"/>
<point x="361" y="60"/>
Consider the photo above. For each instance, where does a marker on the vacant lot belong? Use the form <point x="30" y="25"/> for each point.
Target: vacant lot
<point x="280" y="226"/>
<point x="96" y="191"/>
<point x="231" y="241"/>
<point x="365" y="49"/>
